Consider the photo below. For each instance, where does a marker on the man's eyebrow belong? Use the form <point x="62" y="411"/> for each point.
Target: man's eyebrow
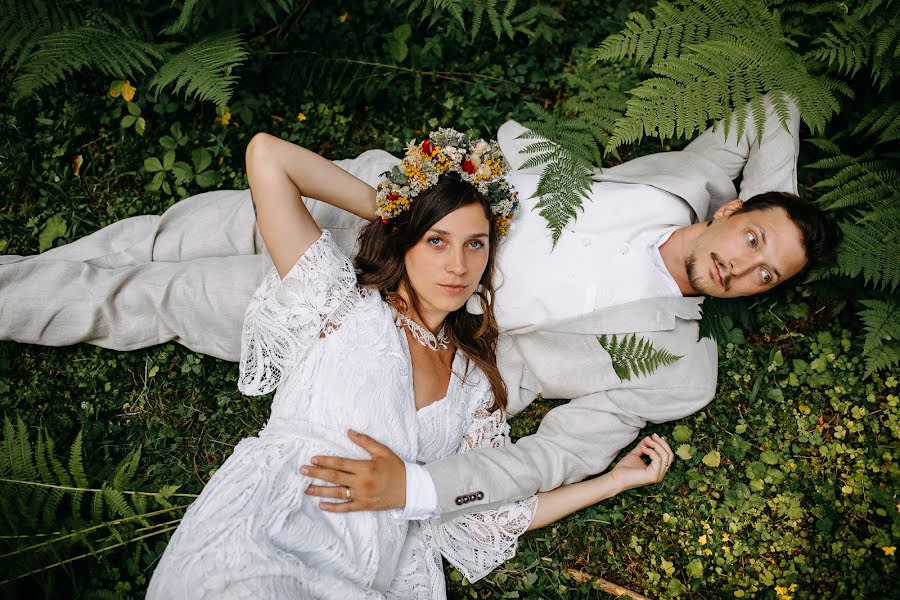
<point x="762" y="233"/>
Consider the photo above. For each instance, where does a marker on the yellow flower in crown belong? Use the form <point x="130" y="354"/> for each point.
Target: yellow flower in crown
<point x="479" y="162"/>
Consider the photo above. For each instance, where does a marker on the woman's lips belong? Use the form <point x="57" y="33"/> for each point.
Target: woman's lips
<point x="453" y="290"/>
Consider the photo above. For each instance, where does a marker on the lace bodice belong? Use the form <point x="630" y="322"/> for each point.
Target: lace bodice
<point x="336" y="360"/>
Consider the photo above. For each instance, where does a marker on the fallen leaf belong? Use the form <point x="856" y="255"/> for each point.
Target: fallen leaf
<point x="77" y="161"/>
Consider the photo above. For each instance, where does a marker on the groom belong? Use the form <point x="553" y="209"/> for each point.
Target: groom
<point x="635" y="262"/>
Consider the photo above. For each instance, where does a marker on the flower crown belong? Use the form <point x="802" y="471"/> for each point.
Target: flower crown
<point x="480" y="163"/>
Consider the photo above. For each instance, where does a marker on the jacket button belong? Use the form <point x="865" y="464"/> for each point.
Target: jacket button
<point x="624" y="249"/>
<point x="459" y="500"/>
<point x="479" y="496"/>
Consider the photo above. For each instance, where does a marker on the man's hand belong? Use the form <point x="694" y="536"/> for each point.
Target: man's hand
<point x="632" y="471"/>
<point x="375" y="484"/>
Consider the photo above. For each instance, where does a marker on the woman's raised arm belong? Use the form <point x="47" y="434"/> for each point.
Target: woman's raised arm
<point x="280" y="174"/>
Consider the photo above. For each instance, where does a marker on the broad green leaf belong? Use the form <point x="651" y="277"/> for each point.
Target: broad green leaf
<point x="207" y="179"/>
<point x="168" y="160"/>
<point x="695" y="568"/>
<point x="134" y="109"/>
<point x="128" y="121"/>
<point x="152" y="164"/>
<point x="712" y="459"/>
<point x="684" y="452"/>
<point x="770" y="458"/>
<point x="201" y="159"/>
<point x="681" y="433"/>
<point x="183" y="172"/>
<point x="55" y="227"/>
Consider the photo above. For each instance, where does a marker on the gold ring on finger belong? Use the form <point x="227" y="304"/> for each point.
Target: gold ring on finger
<point x="348" y="494"/>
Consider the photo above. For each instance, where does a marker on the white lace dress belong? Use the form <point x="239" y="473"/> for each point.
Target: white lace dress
<point x="337" y="361"/>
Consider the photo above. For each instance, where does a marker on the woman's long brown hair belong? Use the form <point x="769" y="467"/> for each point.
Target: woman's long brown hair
<point x="380" y="265"/>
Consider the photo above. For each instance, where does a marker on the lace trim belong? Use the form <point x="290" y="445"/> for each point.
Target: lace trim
<point x="286" y="315"/>
<point x="476" y="543"/>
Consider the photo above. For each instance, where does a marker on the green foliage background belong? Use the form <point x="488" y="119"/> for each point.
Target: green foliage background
<point x="787" y="485"/>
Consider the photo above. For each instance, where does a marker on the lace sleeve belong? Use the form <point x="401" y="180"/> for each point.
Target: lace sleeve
<point x="286" y="315"/>
<point x="478" y="542"/>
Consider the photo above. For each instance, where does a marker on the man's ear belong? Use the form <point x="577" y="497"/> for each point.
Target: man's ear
<point x="729" y="207"/>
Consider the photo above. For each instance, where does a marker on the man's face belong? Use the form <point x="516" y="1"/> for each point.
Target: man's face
<point x="745" y="253"/>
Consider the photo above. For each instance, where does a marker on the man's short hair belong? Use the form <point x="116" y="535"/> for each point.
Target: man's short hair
<point x="820" y="236"/>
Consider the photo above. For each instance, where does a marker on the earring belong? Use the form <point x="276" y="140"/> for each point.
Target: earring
<point x="477" y="301"/>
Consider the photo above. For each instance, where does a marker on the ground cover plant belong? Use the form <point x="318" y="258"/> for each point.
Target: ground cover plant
<point x="786" y="485"/>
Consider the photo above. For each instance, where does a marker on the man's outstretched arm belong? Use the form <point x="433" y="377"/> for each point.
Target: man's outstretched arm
<point x="574" y="441"/>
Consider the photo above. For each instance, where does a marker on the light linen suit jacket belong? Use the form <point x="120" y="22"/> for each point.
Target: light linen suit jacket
<point x="563" y="359"/>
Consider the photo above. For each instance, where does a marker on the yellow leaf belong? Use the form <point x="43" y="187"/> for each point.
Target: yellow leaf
<point x="301" y="117"/>
<point x="847" y="489"/>
<point x="77" y="161"/>
<point x="344" y="17"/>
<point x="115" y="88"/>
<point x="702" y="540"/>
<point x="128" y="91"/>
<point x="889" y="550"/>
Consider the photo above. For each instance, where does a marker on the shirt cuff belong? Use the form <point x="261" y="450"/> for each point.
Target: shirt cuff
<point x="421" y="495"/>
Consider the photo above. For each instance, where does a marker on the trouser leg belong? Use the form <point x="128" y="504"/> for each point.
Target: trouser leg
<point x="186" y="275"/>
<point x="768" y="163"/>
<point x="198" y="303"/>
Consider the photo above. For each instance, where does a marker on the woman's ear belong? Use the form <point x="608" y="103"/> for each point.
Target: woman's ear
<point x="729" y="207"/>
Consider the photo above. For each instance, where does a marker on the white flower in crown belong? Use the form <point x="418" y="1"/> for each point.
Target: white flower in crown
<point x="480" y="163"/>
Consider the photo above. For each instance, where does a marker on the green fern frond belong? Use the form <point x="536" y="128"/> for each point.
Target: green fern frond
<point x="47" y="537"/>
<point x="881" y="346"/>
<point x="569" y="143"/>
<point x="568" y="149"/>
<point x="184" y="17"/>
<point x="501" y="20"/>
<point x="76" y="470"/>
<point x="881" y="320"/>
<point x="634" y="356"/>
<point x="720" y="79"/>
<point x="24" y="22"/>
<point x="203" y="70"/>
<point x="861" y="182"/>
<point x="871" y="250"/>
<point x="883" y="121"/>
<point x="676" y="26"/>
<point x="113" y="52"/>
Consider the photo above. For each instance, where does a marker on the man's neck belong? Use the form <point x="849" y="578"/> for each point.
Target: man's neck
<point x="674" y="254"/>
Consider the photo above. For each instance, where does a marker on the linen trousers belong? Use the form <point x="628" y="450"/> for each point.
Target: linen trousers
<point x="188" y="275"/>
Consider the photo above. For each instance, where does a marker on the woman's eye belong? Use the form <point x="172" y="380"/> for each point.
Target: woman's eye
<point x="751" y="239"/>
<point x="766" y="276"/>
<point x="435" y="241"/>
<point x="476" y="244"/>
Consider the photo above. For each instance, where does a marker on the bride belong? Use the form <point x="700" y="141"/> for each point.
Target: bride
<point x="383" y="346"/>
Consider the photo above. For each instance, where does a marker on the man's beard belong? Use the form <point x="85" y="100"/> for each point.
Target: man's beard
<point x="690" y="267"/>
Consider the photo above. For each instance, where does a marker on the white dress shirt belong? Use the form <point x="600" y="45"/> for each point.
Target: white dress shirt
<point x="610" y="255"/>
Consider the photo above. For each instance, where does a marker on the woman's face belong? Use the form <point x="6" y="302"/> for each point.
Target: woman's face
<point x="446" y="264"/>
